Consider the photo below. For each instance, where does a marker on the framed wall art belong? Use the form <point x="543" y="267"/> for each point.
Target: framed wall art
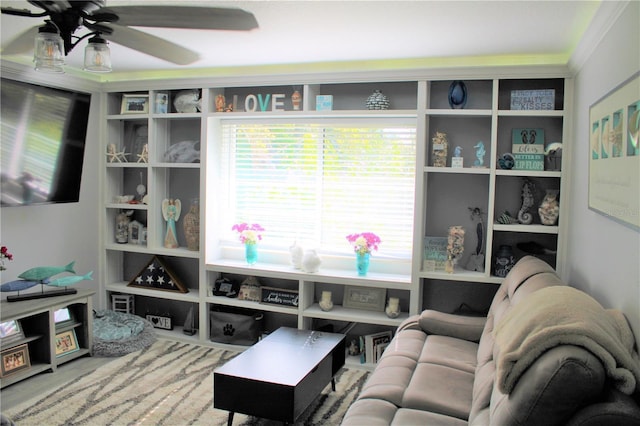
<point x="367" y="298"/>
<point x="14" y="360"/>
<point x="614" y="154"/>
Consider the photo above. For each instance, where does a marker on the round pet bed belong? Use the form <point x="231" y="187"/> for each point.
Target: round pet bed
<point x="117" y="333"/>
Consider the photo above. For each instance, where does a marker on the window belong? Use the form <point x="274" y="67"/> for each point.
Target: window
<point x="315" y="182"/>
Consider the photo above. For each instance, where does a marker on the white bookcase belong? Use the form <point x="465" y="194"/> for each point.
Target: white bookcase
<point x="442" y="194"/>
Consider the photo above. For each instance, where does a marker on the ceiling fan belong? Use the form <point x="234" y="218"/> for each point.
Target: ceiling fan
<point x="113" y="23"/>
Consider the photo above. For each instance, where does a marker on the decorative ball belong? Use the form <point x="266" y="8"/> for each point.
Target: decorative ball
<point x="377" y="100"/>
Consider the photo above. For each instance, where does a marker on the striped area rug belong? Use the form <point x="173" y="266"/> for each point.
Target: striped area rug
<point x="169" y="383"/>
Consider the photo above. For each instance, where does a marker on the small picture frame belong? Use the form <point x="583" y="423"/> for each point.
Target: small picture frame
<point x="162" y="103"/>
<point x="136" y="230"/>
<point x="366" y="298"/>
<point x="66" y="343"/>
<point x="10" y="331"/>
<point x="14" y="360"/>
<point x="63" y="317"/>
<point x="134" y="104"/>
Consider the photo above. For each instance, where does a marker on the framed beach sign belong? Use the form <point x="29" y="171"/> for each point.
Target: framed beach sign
<point x="614" y="154"/>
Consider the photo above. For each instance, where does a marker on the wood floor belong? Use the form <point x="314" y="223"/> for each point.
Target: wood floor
<point x="22" y="391"/>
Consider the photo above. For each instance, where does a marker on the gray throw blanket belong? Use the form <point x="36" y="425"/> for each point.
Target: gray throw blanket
<point x="561" y="315"/>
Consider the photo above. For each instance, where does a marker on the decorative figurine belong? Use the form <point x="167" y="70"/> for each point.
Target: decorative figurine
<point x="507" y="161"/>
<point x="296" y="100"/>
<point x="296" y="255"/>
<point x="354" y="348"/>
<point x="191" y="226"/>
<point x="549" y="208"/>
<point x="553" y="152"/>
<point x="311" y="261"/>
<point x="377" y="100"/>
<point x="122" y="226"/>
<point x="457" y="161"/>
<point x="171" y="213"/>
<point x="504" y="261"/>
<point x="220" y="103"/>
<point x="455" y="247"/>
<point x="506" y="218"/>
<point x="476" y="260"/>
<point x="480" y="152"/>
<point x="528" y="188"/>
<point x="326" y="304"/>
<point x="393" y="308"/>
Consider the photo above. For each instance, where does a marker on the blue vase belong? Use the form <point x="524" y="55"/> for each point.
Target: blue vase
<point x="457" y="95"/>
<point x="362" y="263"/>
<point x="251" y="253"/>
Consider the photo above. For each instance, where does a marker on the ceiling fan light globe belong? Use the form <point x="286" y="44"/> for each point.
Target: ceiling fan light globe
<point x="49" y="52"/>
<point x="97" y="56"/>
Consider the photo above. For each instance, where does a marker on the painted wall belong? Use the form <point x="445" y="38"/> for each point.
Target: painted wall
<point x="56" y="234"/>
<point x="603" y="256"/>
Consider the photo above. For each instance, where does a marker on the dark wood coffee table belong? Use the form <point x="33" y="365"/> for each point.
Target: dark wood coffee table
<point x="279" y="377"/>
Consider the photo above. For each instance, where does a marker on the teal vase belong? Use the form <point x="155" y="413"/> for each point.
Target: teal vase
<point x="362" y="263"/>
<point x="251" y="253"/>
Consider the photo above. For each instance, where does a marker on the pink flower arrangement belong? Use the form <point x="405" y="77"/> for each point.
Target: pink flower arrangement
<point x="364" y="242"/>
<point x="4" y="254"/>
<point x="249" y="234"/>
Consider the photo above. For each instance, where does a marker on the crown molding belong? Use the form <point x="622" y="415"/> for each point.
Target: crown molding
<point x="604" y="19"/>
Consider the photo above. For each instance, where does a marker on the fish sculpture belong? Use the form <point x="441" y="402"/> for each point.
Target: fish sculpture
<point x="17" y="285"/>
<point x="66" y="281"/>
<point x="43" y="272"/>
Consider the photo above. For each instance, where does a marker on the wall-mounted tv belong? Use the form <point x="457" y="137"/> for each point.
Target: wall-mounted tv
<point x="43" y="135"/>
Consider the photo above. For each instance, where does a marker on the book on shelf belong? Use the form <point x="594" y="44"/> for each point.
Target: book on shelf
<point x="374" y="345"/>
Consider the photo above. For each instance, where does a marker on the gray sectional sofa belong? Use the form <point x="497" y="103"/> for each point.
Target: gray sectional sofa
<point x="545" y="354"/>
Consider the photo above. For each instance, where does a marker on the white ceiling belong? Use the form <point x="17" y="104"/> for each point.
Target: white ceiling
<point x="347" y="32"/>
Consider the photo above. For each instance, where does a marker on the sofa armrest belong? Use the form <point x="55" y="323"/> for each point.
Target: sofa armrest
<point x="410" y="323"/>
<point x="460" y="326"/>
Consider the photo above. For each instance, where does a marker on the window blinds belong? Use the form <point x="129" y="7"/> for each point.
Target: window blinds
<point x="316" y="182"/>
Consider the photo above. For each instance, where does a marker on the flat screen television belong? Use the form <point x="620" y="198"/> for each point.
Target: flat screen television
<point x="44" y="132"/>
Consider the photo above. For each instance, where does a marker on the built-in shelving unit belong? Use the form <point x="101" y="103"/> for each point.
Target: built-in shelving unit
<point x="443" y="195"/>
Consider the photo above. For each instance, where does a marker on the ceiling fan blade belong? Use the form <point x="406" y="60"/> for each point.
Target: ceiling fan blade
<point x="22" y="43"/>
<point x="152" y="45"/>
<point x="189" y="17"/>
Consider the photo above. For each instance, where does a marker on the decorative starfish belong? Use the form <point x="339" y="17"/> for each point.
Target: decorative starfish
<point x="114" y="155"/>
<point x="143" y="157"/>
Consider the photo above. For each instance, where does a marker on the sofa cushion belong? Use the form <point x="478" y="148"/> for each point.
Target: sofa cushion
<point x="450" y="352"/>
<point x="370" y="412"/>
<point x="408" y="417"/>
<point x="440" y="389"/>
